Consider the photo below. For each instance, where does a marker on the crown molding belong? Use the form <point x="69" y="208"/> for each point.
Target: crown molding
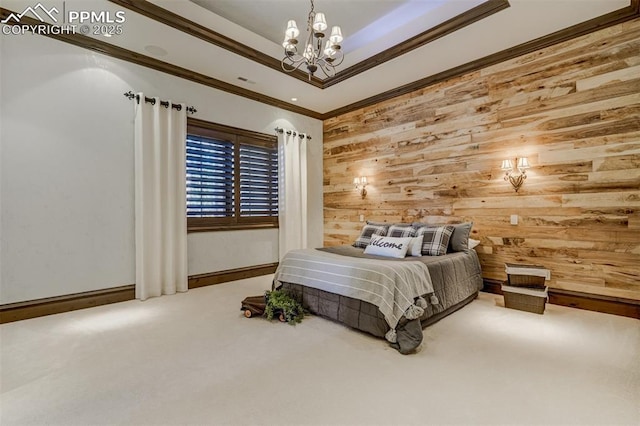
<point x="452" y="25"/>
<point x="187" y="26"/>
<point x="104" y="48"/>
<point x="613" y="18"/>
<point x="607" y="20"/>
<point x="194" y="29"/>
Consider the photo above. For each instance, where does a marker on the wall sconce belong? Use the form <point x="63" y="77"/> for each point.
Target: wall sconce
<point x="361" y="185"/>
<point x="517" y="176"/>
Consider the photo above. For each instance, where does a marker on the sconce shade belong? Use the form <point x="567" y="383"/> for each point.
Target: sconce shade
<point x="361" y="185"/>
<point x="516" y="177"/>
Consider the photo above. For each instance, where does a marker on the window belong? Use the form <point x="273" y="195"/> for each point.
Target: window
<point x="232" y="178"/>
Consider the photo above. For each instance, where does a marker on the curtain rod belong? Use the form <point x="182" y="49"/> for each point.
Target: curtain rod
<point x="300" y="135"/>
<point x="152" y="101"/>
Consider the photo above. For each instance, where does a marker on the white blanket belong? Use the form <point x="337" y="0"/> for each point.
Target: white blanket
<point x="390" y="285"/>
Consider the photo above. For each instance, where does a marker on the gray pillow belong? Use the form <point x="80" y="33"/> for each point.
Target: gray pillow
<point x="371" y="222"/>
<point x="460" y="239"/>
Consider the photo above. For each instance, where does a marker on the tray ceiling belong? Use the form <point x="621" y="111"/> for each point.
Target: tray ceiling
<point x="389" y="44"/>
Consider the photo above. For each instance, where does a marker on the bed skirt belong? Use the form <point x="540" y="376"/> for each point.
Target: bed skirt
<point x="361" y="315"/>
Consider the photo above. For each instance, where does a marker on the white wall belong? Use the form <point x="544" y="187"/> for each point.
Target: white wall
<point x="66" y="169"/>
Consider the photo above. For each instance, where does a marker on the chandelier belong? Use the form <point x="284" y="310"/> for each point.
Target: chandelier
<point x="315" y="54"/>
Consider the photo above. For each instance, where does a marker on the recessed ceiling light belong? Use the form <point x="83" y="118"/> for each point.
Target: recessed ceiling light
<point x="294" y="99"/>
<point x="156" y="50"/>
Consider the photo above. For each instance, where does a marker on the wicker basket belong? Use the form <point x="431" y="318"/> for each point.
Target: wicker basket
<point x="524" y="302"/>
<point x="525" y="281"/>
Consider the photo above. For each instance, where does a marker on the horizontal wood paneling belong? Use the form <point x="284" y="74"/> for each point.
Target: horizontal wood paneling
<point x="434" y="155"/>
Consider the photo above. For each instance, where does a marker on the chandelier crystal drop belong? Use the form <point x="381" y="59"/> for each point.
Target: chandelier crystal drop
<point x="316" y="54"/>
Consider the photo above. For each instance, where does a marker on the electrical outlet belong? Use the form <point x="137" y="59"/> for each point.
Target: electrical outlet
<point x="361" y="218"/>
<point x="514" y="219"/>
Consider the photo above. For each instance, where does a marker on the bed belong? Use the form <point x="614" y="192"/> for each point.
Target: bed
<point x="454" y="280"/>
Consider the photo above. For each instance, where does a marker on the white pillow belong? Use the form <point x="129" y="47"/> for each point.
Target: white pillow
<point x="415" y="246"/>
<point x="473" y="243"/>
<point x="388" y="246"/>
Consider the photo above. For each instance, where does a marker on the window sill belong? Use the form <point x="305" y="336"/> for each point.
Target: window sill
<point x="240" y="227"/>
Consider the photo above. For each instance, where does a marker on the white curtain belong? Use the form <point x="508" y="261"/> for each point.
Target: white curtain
<point x="292" y="213"/>
<point x="160" y="199"/>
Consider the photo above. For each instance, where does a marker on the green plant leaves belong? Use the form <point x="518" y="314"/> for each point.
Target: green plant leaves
<point x="281" y="302"/>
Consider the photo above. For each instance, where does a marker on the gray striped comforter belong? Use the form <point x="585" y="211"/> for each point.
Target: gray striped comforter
<point x="390" y="285"/>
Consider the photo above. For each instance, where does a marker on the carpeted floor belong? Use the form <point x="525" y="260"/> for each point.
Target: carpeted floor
<point x="193" y="359"/>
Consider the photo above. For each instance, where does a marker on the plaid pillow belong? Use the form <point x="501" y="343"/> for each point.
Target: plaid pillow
<point x="401" y="230"/>
<point x="367" y="231"/>
<point x="436" y="239"/>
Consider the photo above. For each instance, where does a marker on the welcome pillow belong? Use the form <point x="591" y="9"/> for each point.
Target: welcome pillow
<point x="388" y="246"/>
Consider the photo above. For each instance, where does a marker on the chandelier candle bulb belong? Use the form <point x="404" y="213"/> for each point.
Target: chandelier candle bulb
<point x="292" y="30"/>
<point x="328" y="49"/>
<point x="336" y="35"/>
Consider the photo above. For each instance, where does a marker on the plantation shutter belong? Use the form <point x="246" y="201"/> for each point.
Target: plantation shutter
<point x="258" y="180"/>
<point x="232" y="178"/>
<point x="210" y="177"/>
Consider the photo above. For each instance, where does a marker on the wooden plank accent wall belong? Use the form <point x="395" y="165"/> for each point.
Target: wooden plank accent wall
<point x="434" y="156"/>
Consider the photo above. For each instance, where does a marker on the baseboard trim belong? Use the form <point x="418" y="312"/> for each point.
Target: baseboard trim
<point x="575" y="299"/>
<point x="212" y="278"/>
<point x="492" y="286"/>
<point x="11" y="312"/>
<point x="54" y="305"/>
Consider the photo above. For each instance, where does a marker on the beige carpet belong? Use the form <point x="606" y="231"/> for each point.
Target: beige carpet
<point x="193" y="359"/>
